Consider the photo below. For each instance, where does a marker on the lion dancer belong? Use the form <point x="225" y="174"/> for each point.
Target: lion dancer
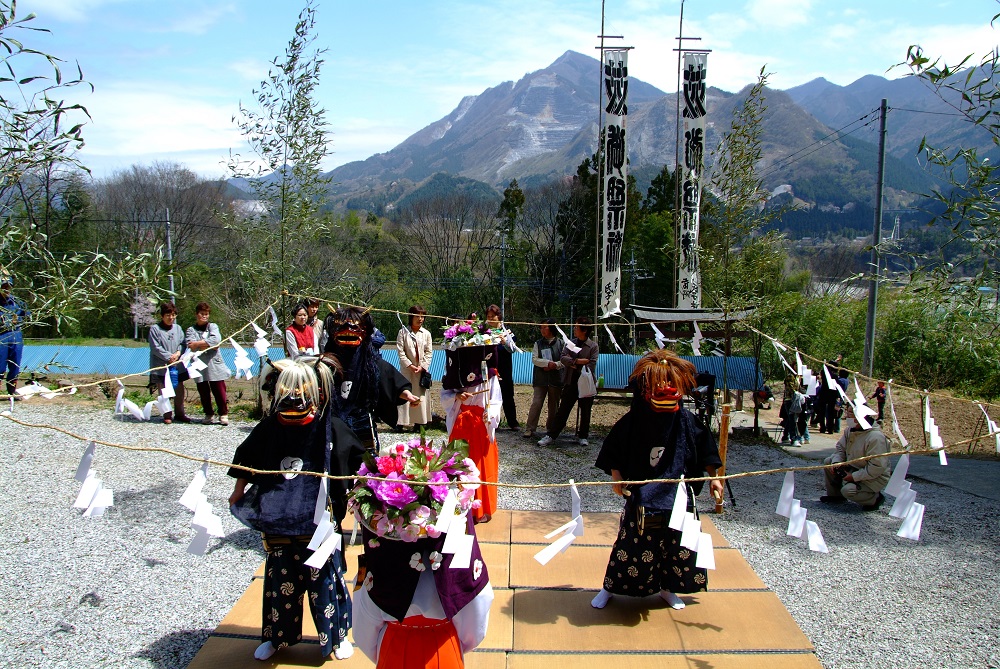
<point x="656" y="439"/>
<point x="299" y="434"/>
<point x="471" y="396"/>
<point x="371" y="388"/>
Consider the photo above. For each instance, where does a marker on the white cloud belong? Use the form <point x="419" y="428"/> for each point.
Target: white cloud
<point x="135" y="119"/>
<point x="250" y="69"/>
<point x="70" y="11"/>
<point x="779" y="13"/>
<point x="199" y="22"/>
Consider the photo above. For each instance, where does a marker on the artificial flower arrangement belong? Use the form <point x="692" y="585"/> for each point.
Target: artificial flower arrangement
<point x="471" y="332"/>
<point x="418" y="475"/>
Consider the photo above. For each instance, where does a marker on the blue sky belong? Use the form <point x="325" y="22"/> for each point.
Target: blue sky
<point x="169" y="75"/>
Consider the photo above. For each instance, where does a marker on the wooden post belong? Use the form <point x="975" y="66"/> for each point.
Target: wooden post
<point x="723" y="446"/>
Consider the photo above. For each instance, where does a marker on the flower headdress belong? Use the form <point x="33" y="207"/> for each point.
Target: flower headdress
<point x="418" y="475"/>
<point x="471" y="332"/>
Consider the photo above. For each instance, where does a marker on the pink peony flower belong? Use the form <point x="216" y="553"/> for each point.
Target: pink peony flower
<point x="465" y="497"/>
<point x="410" y="533"/>
<point x="395" y="492"/>
<point x="420" y="515"/>
<point x="383" y="526"/>
<point x="388" y="464"/>
<point x="440" y="491"/>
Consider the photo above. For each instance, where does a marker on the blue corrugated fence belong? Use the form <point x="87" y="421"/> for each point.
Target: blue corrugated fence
<point x="120" y="361"/>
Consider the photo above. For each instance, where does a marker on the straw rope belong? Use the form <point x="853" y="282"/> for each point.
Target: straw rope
<point x="498" y="484"/>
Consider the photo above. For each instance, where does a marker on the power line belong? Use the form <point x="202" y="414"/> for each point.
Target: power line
<point x="822" y="144"/>
<point x="924" y="111"/>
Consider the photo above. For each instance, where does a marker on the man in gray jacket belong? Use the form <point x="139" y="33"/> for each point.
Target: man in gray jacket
<point x="861" y="482"/>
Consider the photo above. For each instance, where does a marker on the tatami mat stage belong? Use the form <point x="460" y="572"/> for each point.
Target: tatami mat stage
<point x="542" y="618"/>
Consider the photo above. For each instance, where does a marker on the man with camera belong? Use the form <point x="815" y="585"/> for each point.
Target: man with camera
<point x="860" y="482"/>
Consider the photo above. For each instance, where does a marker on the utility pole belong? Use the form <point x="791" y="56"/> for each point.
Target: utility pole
<point x="170" y="255"/>
<point x="869" y="355"/>
<point x="635" y="274"/>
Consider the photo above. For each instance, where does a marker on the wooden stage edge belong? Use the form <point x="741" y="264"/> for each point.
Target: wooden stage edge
<point x="541" y="616"/>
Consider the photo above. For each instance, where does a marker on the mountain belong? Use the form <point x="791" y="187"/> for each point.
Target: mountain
<point x="543" y="126"/>
<point x="915" y="112"/>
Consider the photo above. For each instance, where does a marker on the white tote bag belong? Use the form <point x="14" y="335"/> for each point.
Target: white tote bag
<point x="586" y="385"/>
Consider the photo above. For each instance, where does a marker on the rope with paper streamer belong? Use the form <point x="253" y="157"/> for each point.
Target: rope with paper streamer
<point x="73" y="388"/>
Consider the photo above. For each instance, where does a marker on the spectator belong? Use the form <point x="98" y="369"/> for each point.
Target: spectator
<point x="416" y="348"/>
<point x="505" y="365"/>
<point x="583" y="353"/>
<point x="205" y="336"/>
<point x="546" y="378"/>
<point x="861" y="482"/>
<point x="300" y="338"/>
<point x="879" y="397"/>
<point x="13" y="315"/>
<point x="166" y="344"/>
<point x="312" y="308"/>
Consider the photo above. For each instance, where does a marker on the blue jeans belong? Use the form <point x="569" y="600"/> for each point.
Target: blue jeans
<point x="11" y="347"/>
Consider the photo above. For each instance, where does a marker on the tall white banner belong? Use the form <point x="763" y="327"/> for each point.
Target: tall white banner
<point x="693" y="151"/>
<point x="613" y="195"/>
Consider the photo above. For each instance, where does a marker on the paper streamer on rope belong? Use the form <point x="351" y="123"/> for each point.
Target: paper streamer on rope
<point x="658" y="336"/>
<point x="242" y="362"/>
<point x="323" y="529"/>
<point x="787" y="496"/>
<point x="192" y="494"/>
<point x="207" y="525"/>
<point x="262" y="344"/>
<point x="130" y="407"/>
<point x="706" y="552"/>
<point x="912" y="522"/>
<point x="274" y="322"/>
<point x="512" y="340"/>
<point x="456" y="540"/>
<point x="93" y="497"/>
<point x="904" y="501"/>
<point x="778" y="349"/>
<point x="830" y="383"/>
<point x="613" y="340"/>
<point x="321" y="500"/>
<point x="567" y="342"/>
<point x="83" y="469"/>
<point x="796" y="519"/>
<point x="676" y="521"/>
<point x="119" y="408"/>
<point x="696" y="339"/>
<point x="898" y="478"/>
<point x="569" y="532"/>
<point x="332" y="542"/>
<point x="458" y="543"/>
<point x="691" y="532"/>
<point x="992" y="426"/>
<point x="892" y="411"/>
<point x="815" y="538"/>
<point x="103" y="498"/>
<point x="87" y="491"/>
<point x="931" y="428"/>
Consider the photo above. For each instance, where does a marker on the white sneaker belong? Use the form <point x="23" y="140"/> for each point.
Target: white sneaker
<point x="584" y="442"/>
<point x="545" y="441"/>
<point x="223" y="420"/>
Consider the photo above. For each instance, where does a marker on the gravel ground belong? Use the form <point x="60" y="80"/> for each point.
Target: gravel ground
<point x="121" y="591"/>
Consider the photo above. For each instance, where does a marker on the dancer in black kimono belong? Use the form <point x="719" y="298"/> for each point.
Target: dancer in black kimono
<point x="300" y="434"/>
<point x="656" y="439"/>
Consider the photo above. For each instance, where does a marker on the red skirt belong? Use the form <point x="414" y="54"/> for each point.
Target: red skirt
<point x="469" y="426"/>
<point x="420" y="643"/>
